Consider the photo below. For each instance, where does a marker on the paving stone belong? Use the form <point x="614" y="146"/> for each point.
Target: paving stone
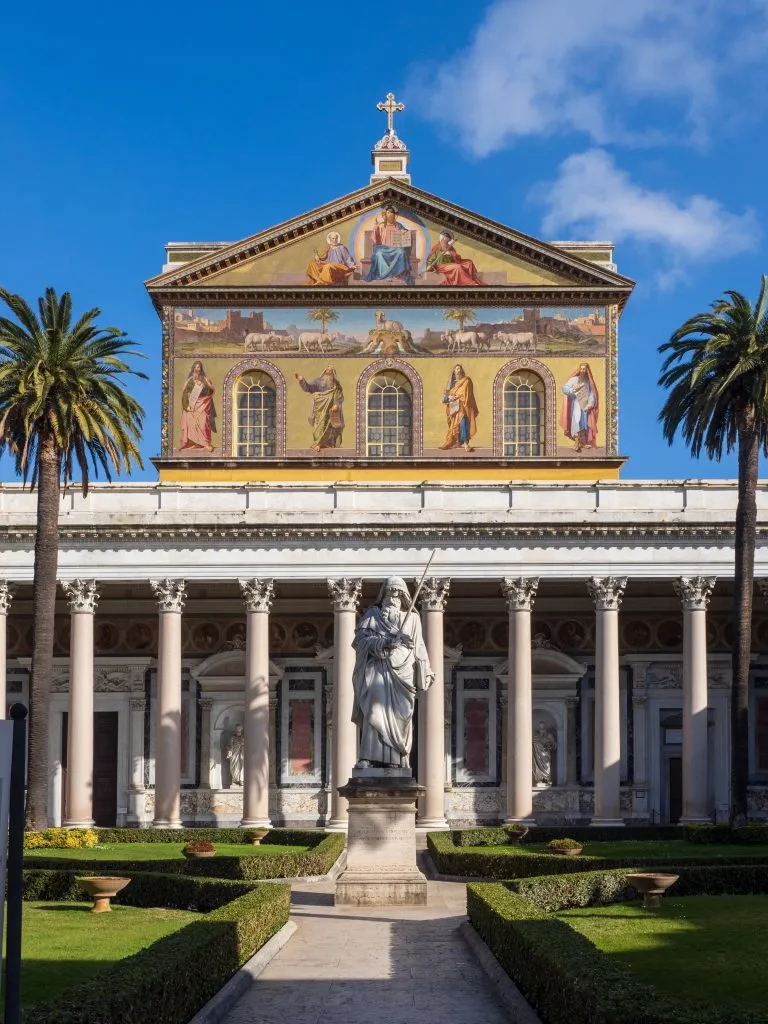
<point x="378" y="965"/>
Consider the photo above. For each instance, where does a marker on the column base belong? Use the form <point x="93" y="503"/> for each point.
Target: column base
<point x="167" y="824"/>
<point x="255" y="823"/>
<point x="83" y="823"/>
<point x="608" y="822"/>
<point x="695" y="819"/>
<point x="432" y="825"/>
<point x="337" y="825"/>
<point x="528" y="822"/>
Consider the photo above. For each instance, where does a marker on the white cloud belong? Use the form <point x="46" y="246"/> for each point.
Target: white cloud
<point x="539" y="67"/>
<point x="592" y="197"/>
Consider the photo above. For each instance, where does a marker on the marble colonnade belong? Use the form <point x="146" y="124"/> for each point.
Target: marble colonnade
<point x="606" y="592"/>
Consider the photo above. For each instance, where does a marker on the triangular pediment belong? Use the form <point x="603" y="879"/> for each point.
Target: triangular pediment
<point x="340" y="247"/>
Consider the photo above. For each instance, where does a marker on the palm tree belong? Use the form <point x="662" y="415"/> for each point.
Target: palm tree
<point x="716" y="372"/>
<point x="62" y="405"/>
<point x="461" y="316"/>
<point x="323" y="316"/>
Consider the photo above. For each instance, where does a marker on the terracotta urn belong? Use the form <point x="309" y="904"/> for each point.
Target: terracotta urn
<point x="197" y="854"/>
<point x="651" y="885"/>
<point x="514" y="835"/>
<point x="257" y="835"/>
<point x="571" y="853"/>
<point x="101" y="889"/>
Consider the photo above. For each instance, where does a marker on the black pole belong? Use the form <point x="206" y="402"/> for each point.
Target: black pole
<point x="15" y="878"/>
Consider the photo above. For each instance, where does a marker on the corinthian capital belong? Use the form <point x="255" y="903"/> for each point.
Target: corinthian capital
<point x="6" y="594"/>
<point x="434" y="594"/>
<point x="82" y="595"/>
<point x="694" y="591"/>
<point x="520" y="592"/>
<point x="169" y="594"/>
<point x="345" y="594"/>
<point x="257" y="594"/>
<point x="606" y="591"/>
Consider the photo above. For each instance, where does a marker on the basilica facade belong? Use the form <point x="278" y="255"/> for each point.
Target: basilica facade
<point x="386" y="385"/>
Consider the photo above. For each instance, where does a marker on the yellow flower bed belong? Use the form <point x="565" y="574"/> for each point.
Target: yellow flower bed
<point x="61" y="839"/>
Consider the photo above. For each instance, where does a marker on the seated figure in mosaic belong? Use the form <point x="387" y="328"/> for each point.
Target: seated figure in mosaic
<point x="391" y="667"/>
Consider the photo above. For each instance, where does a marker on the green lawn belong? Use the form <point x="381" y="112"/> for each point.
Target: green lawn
<point x="642" y="850"/>
<point x="702" y="949"/>
<point x="64" y="944"/>
<point x="162" y="851"/>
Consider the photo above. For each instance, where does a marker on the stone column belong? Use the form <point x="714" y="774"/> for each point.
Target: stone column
<point x="258" y="596"/>
<point x="571" y="709"/>
<point x="607" y="592"/>
<point x="82" y="597"/>
<point x="170" y="595"/>
<point x="520" y="594"/>
<point x="345" y="595"/>
<point x="5" y="604"/>
<point x="694" y="593"/>
<point x="434" y="594"/>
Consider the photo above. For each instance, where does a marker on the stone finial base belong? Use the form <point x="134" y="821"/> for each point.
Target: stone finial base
<point x="381" y="846"/>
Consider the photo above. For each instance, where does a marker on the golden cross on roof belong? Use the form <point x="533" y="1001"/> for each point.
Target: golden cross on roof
<point x="390" y="106"/>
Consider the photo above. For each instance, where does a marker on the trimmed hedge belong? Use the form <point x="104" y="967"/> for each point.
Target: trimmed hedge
<point x="562" y="974"/>
<point x="726" y="834"/>
<point x="317" y="861"/>
<point x="147" y="889"/>
<point x="173" y="978"/>
<point x="452" y="860"/>
<point x="275" y="836"/>
<point x="496" y="836"/>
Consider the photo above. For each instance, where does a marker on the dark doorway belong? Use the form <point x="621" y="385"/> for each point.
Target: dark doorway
<point x="675" y="794"/>
<point x="104" y="767"/>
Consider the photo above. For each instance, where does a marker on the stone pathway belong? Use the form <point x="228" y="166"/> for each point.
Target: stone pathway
<point x="377" y="965"/>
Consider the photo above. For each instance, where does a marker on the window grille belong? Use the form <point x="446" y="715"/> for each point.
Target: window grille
<point x="256" y="412"/>
<point x="389" y="416"/>
<point x="523" y="414"/>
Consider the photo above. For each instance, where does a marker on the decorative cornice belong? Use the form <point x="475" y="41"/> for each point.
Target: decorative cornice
<point x="345" y="594"/>
<point x="257" y="594"/>
<point x="434" y="594"/>
<point x="82" y="595"/>
<point x="170" y="594"/>
<point x="694" y="591"/>
<point x="607" y="591"/>
<point x="520" y="592"/>
<point x="473" y="532"/>
<point x="6" y="596"/>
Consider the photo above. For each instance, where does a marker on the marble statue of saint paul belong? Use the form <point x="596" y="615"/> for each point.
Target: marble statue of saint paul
<point x="391" y="667"/>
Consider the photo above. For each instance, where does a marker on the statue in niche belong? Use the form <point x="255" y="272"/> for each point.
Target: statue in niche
<point x="391" y="667"/>
<point x="544" y="748"/>
<point x="236" y="756"/>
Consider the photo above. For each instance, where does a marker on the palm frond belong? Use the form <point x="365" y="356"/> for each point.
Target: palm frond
<point x="65" y="381"/>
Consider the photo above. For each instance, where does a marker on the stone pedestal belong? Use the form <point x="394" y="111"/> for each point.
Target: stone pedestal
<point x="381" y="845"/>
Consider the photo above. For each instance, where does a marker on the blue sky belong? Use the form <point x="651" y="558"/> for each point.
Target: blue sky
<point x="126" y="126"/>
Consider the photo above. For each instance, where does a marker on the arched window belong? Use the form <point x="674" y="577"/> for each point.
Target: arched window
<point x="523" y="405"/>
<point x="256" y="413"/>
<point x="389" y="416"/>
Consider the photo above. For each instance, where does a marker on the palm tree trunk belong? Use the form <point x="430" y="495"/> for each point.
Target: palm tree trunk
<point x="743" y="583"/>
<point x="43" y="610"/>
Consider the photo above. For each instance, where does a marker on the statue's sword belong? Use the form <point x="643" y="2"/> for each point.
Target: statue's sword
<point x="421" y="584"/>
